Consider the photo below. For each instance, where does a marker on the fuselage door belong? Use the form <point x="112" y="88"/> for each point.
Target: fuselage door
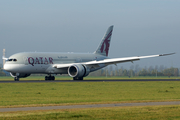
<point x="25" y="60"/>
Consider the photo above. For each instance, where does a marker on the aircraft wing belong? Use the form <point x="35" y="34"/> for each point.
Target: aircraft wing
<point x="62" y="65"/>
<point x="121" y="60"/>
<point x="110" y="61"/>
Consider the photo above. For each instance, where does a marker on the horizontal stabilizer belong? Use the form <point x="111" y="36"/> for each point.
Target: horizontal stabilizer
<point x="4" y="58"/>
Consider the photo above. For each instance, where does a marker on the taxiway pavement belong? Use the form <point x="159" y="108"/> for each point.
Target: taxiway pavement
<point x="88" y="106"/>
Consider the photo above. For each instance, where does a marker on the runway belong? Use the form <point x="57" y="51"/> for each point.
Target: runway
<point x="122" y="80"/>
<point x="88" y="106"/>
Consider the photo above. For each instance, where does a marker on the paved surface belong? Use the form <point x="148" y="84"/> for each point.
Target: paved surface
<point x="88" y="106"/>
<point x="122" y="80"/>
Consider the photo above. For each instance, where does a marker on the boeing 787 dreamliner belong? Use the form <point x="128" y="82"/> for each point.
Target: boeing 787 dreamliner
<point x="76" y="65"/>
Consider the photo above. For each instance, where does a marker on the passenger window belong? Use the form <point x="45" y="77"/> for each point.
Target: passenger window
<point x="10" y="59"/>
<point x="15" y="60"/>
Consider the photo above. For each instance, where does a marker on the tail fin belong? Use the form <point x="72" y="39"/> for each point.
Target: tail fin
<point x="103" y="48"/>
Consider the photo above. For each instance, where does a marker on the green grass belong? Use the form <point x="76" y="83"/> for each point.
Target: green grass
<point x="43" y="94"/>
<point x="126" y="77"/>
<point x="34" y="94"/>
<point x="88" y="78"/>
<point x="118" y="113"/>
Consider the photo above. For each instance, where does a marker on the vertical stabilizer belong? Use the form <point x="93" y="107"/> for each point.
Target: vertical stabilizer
<point x="103" y="48"/>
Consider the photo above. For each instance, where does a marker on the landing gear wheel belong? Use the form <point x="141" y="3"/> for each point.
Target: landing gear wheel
<point x="46" y="77"/>
<point x="49" y="78"/>
<point x="77" y="78"/>
<point x="16" y="79"/>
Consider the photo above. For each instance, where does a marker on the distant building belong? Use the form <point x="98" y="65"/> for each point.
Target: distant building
<point x="4" y="55"/>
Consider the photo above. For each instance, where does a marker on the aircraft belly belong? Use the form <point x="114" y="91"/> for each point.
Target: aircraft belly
<point x="21" y="68"/>
<point x="46" y="69"/>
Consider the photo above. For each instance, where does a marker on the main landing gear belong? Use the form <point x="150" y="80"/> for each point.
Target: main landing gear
<point x="49" y="77"/>
<point x="16" y="78"/>
<point x="77" y="78"/>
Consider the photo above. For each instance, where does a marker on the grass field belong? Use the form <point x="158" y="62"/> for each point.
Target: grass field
<point x="89" y="78"/>
<point x="67" y="93"/>
<point x="117" y="113"/>
<point x="86" y="92"/>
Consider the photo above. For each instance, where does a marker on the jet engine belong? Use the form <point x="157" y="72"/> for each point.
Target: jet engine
<point x="78" y="71"/>
<point x="19" y="75"/>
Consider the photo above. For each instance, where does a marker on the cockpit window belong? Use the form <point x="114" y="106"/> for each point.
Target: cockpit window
<point x="12" y="60"/>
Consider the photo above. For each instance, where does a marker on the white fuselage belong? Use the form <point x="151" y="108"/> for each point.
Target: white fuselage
<point x="37" y="62"/>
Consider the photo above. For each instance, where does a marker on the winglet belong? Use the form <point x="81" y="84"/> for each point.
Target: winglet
<point x="166" y="54"/>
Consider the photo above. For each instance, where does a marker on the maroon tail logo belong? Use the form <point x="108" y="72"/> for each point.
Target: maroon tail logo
<point x="106" y="43"/>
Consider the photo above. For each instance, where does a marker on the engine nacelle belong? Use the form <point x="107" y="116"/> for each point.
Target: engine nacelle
<point x="19" y="75"/>
<point x="78" y="70"/>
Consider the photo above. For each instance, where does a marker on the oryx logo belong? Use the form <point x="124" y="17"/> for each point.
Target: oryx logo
<point x="106" y="43"/>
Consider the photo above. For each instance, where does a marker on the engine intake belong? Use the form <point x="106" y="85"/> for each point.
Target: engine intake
<point x="19" y="75"/>
<point x="78" y="70"/>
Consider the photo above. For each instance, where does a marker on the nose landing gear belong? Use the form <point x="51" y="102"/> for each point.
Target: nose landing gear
<point x="16" y="78"/>
<point x="50" y="78"/>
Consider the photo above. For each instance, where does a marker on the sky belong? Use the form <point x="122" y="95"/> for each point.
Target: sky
<point x="141" y="27"/>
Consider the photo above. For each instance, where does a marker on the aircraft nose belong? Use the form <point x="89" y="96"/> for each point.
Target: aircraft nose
<point x="7" y="67"/>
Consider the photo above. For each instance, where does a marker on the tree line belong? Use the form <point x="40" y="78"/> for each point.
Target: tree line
<point x="1" y="71"/>
<point x="137" y="71"/>
<point x="132" y="71"/>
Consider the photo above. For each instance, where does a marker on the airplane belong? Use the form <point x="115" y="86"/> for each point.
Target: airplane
<point x="76" y="65"/>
